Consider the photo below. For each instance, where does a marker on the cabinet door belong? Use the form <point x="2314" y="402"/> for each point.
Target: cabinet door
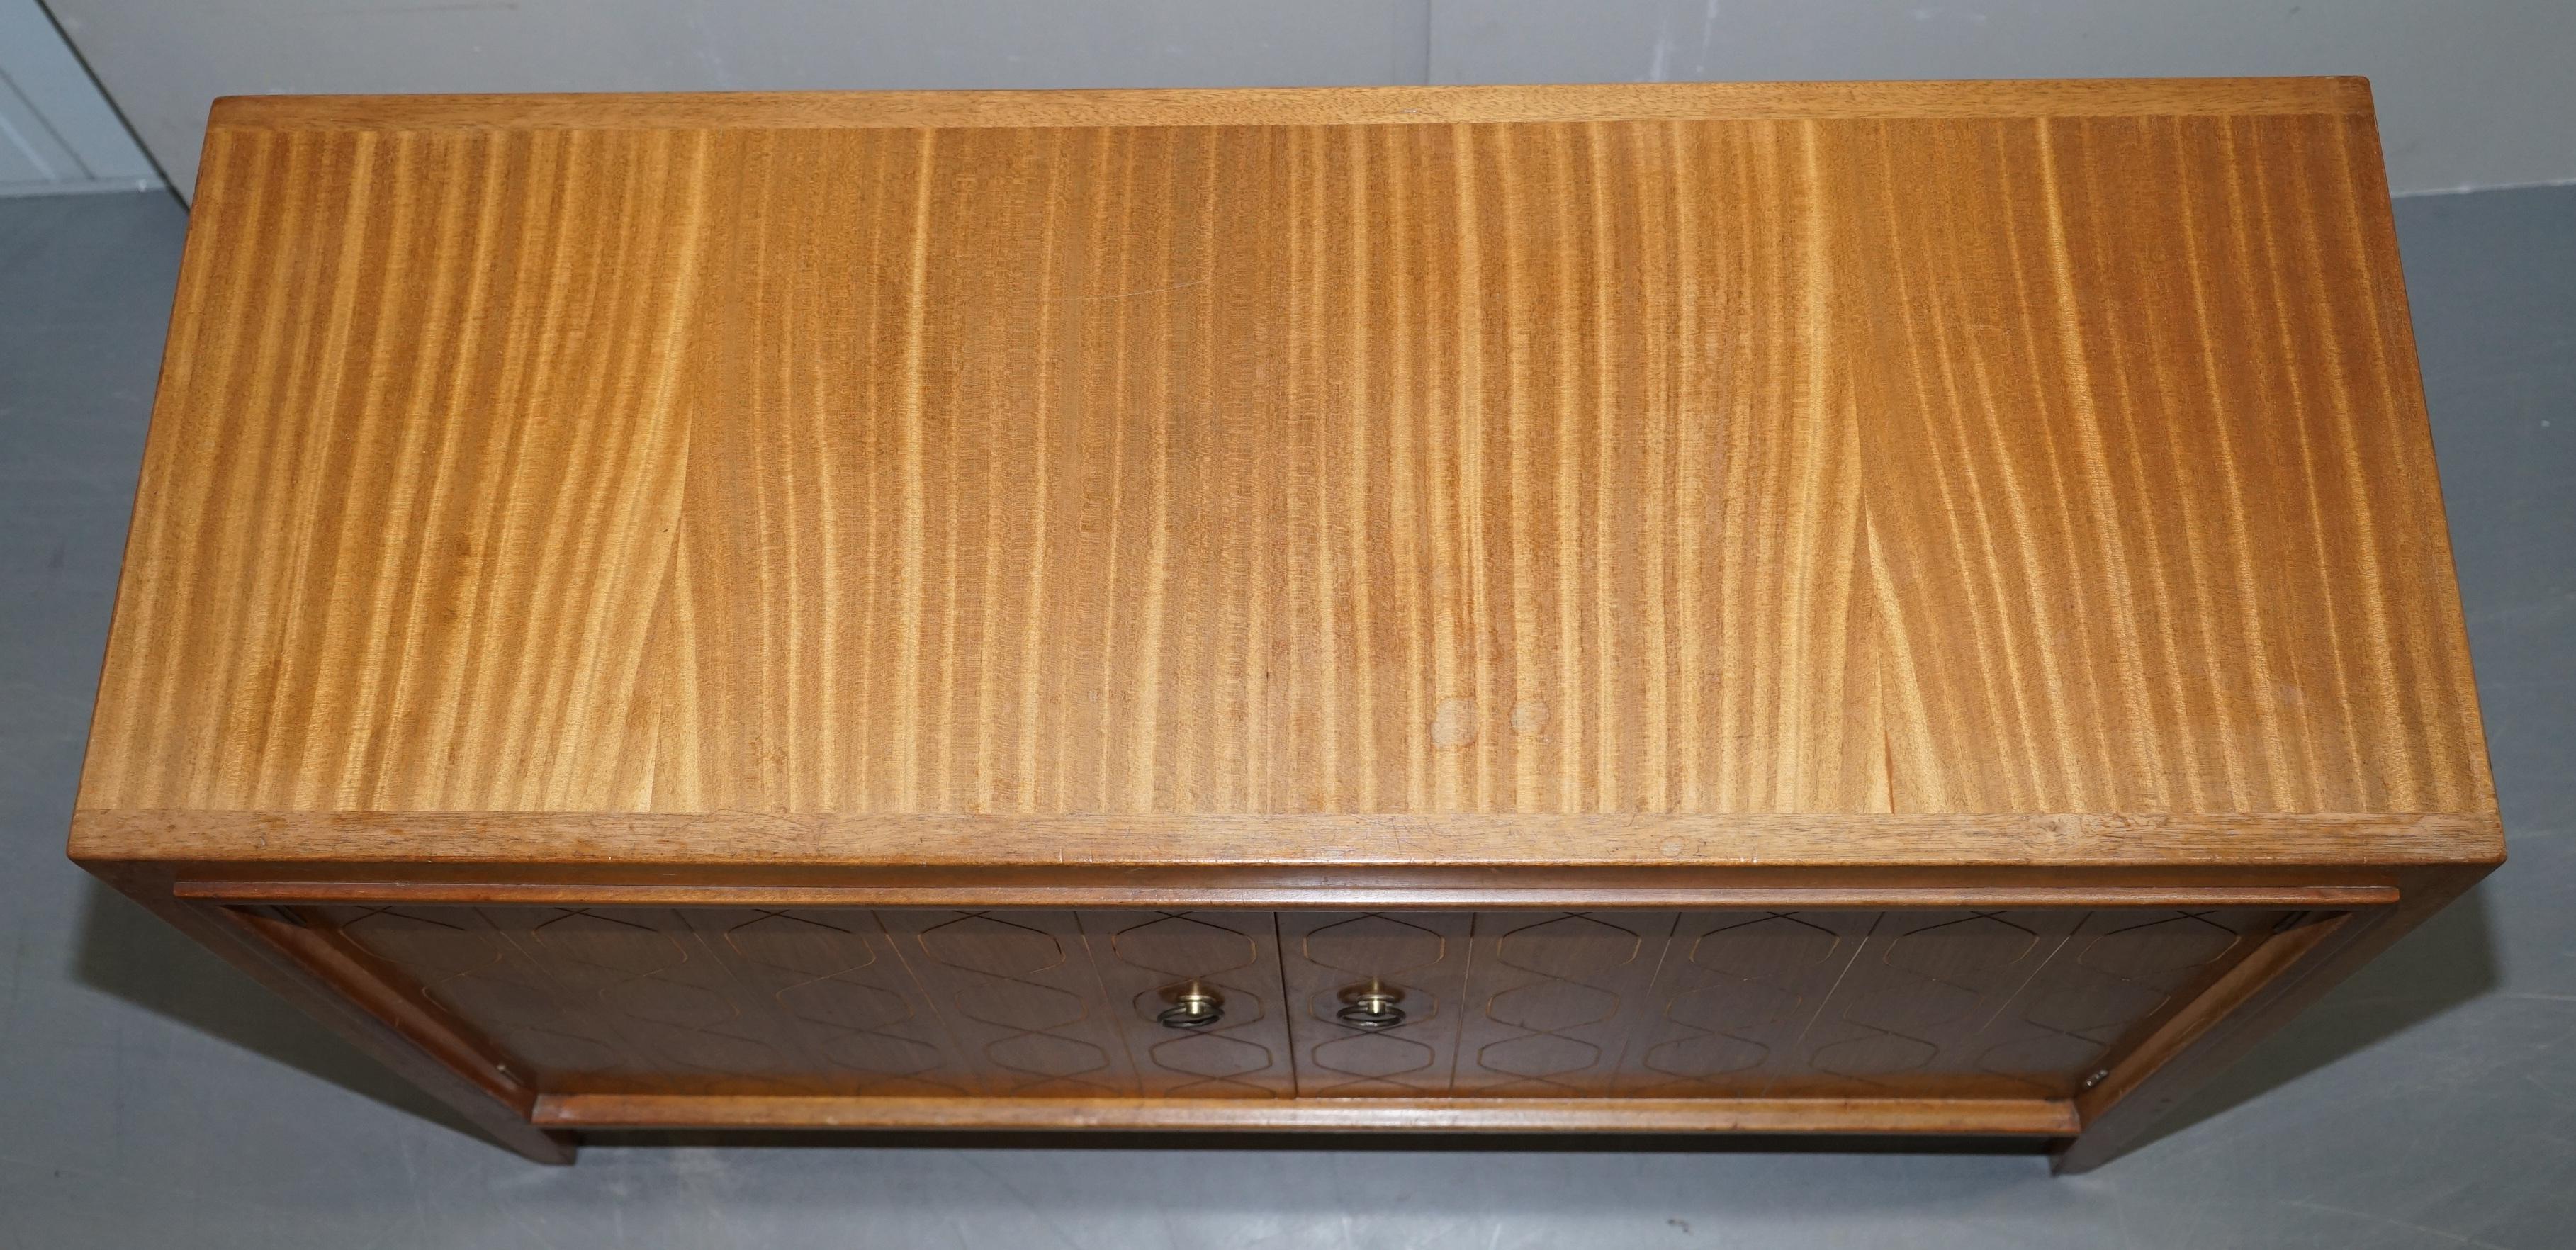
<point x="1927" y="1003"/>
<point x="1736" y="995"/>
<point x="1148" y="962"/>
<point x="1021" y="999"/>
<point x="1417" y="960"/>
<point x="1756" y="1003"/>
<point x="1555" y="1000"/>
<point x="667" y="1000"/>
<point x="831" y="1001"/>
<point x="1067" y="1004"/>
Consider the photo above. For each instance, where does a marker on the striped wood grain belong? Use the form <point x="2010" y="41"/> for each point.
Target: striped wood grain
<point x="1991" y="460"/>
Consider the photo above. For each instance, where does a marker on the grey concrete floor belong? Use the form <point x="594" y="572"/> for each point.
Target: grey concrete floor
<point x="151" y="1095"/>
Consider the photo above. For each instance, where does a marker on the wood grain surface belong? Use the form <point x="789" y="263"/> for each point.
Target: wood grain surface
<point x="1304" y="106"/>
<point x="2032" y="1117"/>
<point x="1603" y="454"/>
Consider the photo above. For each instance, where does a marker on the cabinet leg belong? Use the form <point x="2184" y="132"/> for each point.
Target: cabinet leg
<point x="552" y="1147"/>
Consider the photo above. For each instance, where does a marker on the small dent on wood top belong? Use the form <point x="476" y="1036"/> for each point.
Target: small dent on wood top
<point x="1529" y="716"/>
<point x="1453" y="723"/>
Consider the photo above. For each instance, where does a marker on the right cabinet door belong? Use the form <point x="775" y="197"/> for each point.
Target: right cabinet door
<point x="1663" y="1004"/>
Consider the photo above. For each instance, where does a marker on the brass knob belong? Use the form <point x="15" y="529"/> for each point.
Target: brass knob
<point x="1371" y="1006"/>
<point x="1194" y="1007"/>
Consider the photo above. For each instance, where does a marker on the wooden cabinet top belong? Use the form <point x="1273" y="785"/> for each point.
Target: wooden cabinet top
<point x="1839" y="473"/>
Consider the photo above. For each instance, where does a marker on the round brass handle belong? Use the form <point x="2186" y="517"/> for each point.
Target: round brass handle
<point x="1371" y="1006"/>
<point x="1195" y="1007"/>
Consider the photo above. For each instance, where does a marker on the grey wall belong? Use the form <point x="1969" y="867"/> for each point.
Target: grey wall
<point x="57" y="132"/>
<point x="2471" y="92"/>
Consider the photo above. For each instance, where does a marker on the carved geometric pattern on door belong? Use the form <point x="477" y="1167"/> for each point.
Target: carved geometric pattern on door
<point x="460" y="965"/>
<point x="1553" y="995"/>
<point x="1147" y="959"/>
<point x="1964" y="1002"/>
<point x="1740" y="995"/>
<point x="1419" y="956"/>
<point x="1019" y="993"/>
<point x="740" y="1000"/>
<point x="1929" y="981"/>
<point x="825" y="989"/>
<point x="644" y="975"/>
<point x="1949" y="1003"/>
<point x="2123" y="969"/>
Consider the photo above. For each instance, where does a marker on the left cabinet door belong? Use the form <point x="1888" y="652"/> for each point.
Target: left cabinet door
<point x="668" y="1000"/>
<point x="745" y="1000"/>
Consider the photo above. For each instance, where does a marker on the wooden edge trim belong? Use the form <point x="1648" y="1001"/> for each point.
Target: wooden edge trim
<point x="1304" y="106"/>
<point x="1345" y="842"/>
<point x="1574" y="899"/>
<point x="2032" y="1117"/>
<point x="323" y="958"/>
